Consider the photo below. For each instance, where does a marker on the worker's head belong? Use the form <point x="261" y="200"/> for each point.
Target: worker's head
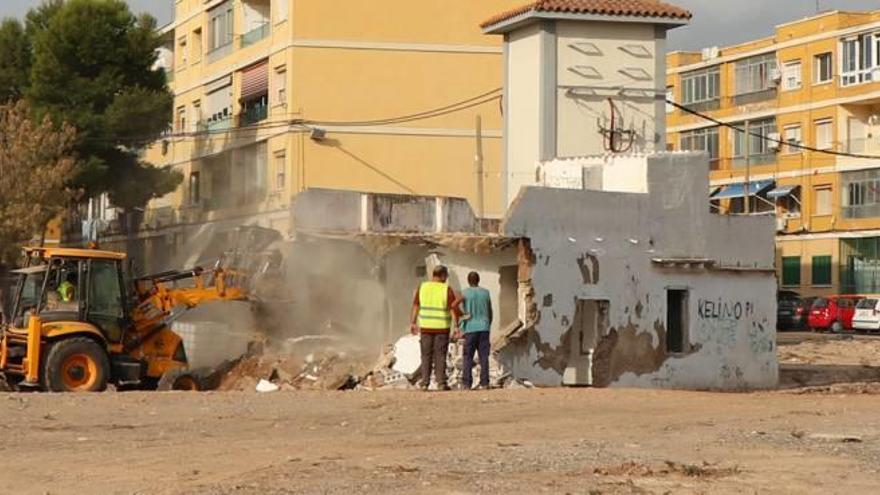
<point x="440" y="273"/>
<point x="473" y="279"/>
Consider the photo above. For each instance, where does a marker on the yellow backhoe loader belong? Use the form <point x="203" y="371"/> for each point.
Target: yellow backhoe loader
<point x="77" y="322"/>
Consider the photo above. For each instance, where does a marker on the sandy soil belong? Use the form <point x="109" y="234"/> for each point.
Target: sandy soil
<point x="505" y="441"/>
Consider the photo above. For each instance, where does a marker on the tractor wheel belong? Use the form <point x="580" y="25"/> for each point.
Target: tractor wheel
<point x="77" y="364"/>
<point x="179" y="379"/>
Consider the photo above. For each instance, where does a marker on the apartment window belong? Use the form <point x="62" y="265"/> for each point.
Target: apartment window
<point x="755" y="74"/>
<point x="280" y="169"/>
<point x="197" y="46"/>
<point x="700" y="86"/>
<point x="824" y="134"/>
<point x="705" y="139"/>
<point x="791" y="271"/>
<point x="822" y="200"/>
<point x="181" y="48"/>
<point x="195" y="188"/>
<point x="279" y="9"/>
<point x="792" y="135"/>
<point x="181" y="119"/>
<point x="791" y="75"/>
<point x="822" y="68"/>
<point x="821" y="270"/>
<point x="861" y="194"/>
<point x="676" y="320"/>
<point x="857" y="59"/>
<point x="197" y="115"/>
<point x="856" y="135"/>
<point x="280" y="85"/>
<point x="221" y="26"/>
<point x="750" y="146"/>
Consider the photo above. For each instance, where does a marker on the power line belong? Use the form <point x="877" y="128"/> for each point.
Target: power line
<point x="767" y="138"/>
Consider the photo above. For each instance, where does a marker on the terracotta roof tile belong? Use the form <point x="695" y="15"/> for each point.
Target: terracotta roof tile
<point x="640" y="8"/>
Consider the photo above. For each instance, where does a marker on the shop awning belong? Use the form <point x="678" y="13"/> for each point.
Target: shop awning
<point x="782" y="191"/>
<point x="736" y="190"/>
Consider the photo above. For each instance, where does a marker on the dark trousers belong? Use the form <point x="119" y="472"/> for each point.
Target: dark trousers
<point x="476" y="342"/>
<point x="434" y="349"/>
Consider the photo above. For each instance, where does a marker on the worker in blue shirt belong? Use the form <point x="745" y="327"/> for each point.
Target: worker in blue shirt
<point x="476" y="323"/>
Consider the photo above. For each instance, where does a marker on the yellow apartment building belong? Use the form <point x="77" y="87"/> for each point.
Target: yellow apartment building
<point x="272" y="97"/>
<point x="813" y="86"/>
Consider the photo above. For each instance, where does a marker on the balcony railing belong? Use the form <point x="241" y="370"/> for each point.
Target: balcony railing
<point x="755" y="97"/>
<point x="254" y="114"/>
<point x="219" y="52"/>
<point x="218" y="124"/>
<point x="254" y="35"/>
<point x="753" y="160"/>
<point x="704" y="106"/>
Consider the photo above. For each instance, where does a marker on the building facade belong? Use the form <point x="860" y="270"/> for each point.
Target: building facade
<point x="273" y="97"/>
<point x="791" y="124"/>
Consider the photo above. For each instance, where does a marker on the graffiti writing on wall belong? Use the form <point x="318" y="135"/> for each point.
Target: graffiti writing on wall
<point x="721" y="309"/>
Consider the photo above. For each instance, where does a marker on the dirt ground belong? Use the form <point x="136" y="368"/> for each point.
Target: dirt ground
<point x="589" y="441"/>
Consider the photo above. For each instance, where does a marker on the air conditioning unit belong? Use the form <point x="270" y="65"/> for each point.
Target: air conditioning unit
<point x="775" y="74"/>
<point x="781" y="224"/>
<point x="773" y="141"/>
<point x="710" y="53"/>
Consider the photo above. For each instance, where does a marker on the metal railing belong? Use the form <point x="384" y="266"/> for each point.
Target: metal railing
<point x="254" y="114"/>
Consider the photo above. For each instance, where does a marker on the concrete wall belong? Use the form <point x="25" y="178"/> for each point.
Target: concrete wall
<point x="602" y="245"/>
<point x="601" y="60"/>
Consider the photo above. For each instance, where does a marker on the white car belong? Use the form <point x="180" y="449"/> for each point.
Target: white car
<point x="867" y="315"/>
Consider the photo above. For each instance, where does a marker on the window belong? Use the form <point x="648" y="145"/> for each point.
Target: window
<point x="181" y="48"/>
<point x="749" y="146"/>
<point x="700" y="86"/>
<point x="861" y="194"/>
<point x="791" y="271"/>
<point x="280" y="169"/>
<point x="822" y="200"/>
<point x="824" y="134"/>
<point x="221" y="26"/>
<point x="857" y="59"/>
<point x="197" y="116"/>
<point x="705" y="139"/>
<point x="280" y="85"/>
<point x="279" y="7"/>
<point x="755" y="74"/>
<point x="676" y="320"/>
<point x="856" y="135"/>
<point x="822" y="69"/>
<point x="197" y="46"/>
<point x="105" y="297"/>
<point x="195" y="188"/>
<point x="821" y="270"/>
<point x="792" y="135"/>
<point x="791" y="75"/>
<point x="181" y="119"/>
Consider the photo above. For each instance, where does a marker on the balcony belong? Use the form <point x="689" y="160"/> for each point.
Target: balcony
<point x="704" y="106"/>
<point x="218" y="124"/>
<point x="219" y="52"/>
<point x="752" y="161"/>
<point x="755" y="97"/>
<point x="254" y="35"/>
<point x="254" y="114"/>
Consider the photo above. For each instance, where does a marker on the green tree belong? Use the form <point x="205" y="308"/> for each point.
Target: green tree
<point x="93" y="69"/>
<point x="15" y="60"/>
<point x="36" y="164"/>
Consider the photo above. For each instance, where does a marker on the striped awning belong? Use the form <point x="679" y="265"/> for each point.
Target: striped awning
<point x="255" y="80"/>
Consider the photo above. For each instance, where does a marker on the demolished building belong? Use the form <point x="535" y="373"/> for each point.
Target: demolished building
<point x="628" y="280"/>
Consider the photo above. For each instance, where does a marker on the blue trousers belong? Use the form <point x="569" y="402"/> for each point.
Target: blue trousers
<point x="476" y="342"/>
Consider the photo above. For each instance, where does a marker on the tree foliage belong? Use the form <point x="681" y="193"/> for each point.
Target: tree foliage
<point x="91" y="67"/>
<point x="36" y="164"/>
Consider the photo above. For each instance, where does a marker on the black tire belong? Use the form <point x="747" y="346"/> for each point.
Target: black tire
<point x="76" y="364"/>
<point x="180" y="379"/>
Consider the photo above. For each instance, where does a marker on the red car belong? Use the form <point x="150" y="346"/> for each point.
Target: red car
<point x="833" y="313"/>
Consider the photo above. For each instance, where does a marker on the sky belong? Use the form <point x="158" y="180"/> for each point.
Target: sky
<point x="715" y="23"/>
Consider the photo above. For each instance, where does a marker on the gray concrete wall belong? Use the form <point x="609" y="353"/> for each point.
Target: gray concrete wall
<point x="600" y="245"/>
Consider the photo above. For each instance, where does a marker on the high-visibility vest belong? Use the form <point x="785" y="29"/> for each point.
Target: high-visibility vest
<point x="434" y="306"/>
<point x="65" y="291"/>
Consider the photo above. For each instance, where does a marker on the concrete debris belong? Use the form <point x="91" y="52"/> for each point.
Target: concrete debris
<point x="266" y="386"/>
<point x="407" y="355"/>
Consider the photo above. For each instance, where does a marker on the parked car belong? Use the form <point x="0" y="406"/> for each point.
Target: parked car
<point x="792" y="310"/>
<point x="867" y="316"/>
<point x="833" y="313"/>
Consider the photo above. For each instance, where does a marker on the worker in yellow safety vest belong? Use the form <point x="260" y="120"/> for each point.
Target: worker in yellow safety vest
<point x="433" y="315"/>
<point x="67" y="289"/>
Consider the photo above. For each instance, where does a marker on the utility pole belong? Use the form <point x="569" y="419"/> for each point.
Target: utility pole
<point x="478" y="166"/>
<point x="746" y="185"/>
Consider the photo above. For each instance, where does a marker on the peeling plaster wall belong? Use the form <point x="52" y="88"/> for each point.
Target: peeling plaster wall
<point x="600" y="245"/>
